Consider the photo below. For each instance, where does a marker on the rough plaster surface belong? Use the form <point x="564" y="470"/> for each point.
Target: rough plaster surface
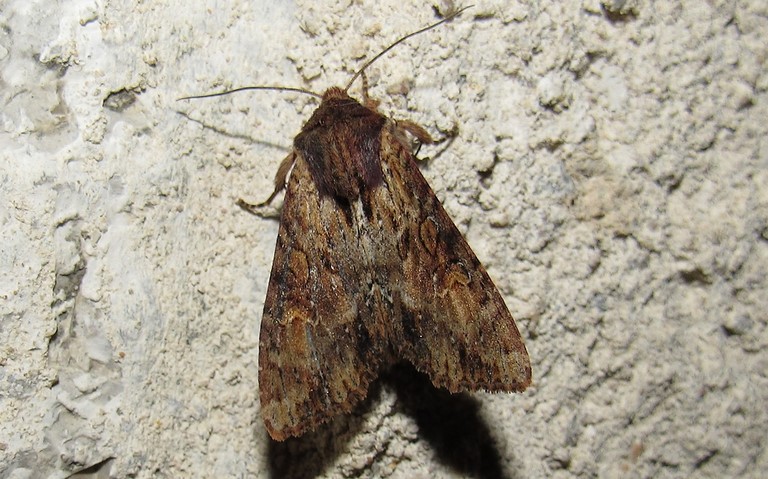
<point x="611" y="173"/>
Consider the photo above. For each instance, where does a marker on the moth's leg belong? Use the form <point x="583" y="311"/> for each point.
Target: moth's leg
<point x="416" y="130"/>
<point x="280" y="181"/>
<point x="368" y="102"/>
<point x="420" y="135"/>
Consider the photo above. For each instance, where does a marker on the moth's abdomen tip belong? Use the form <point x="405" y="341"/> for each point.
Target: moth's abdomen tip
<point x="276" y="435"/>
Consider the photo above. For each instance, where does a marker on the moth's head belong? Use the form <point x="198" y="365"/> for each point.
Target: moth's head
<point x="335" y="93"/>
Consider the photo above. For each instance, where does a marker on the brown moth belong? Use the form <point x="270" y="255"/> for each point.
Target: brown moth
<point x="369" y="270"/>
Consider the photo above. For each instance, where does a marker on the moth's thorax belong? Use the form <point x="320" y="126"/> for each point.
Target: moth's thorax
<point x="341" y="144"/>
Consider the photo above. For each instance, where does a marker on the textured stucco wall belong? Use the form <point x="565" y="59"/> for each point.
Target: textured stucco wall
<point x="610" y="172"/>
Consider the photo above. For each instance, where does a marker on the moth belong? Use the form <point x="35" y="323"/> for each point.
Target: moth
<point x="369" y="270"/>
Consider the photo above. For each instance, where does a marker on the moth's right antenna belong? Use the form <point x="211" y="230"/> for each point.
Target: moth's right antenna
<point x="381" y="54"/>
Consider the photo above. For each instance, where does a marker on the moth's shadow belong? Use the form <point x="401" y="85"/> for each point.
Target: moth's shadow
<point x="450" y="423"/>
